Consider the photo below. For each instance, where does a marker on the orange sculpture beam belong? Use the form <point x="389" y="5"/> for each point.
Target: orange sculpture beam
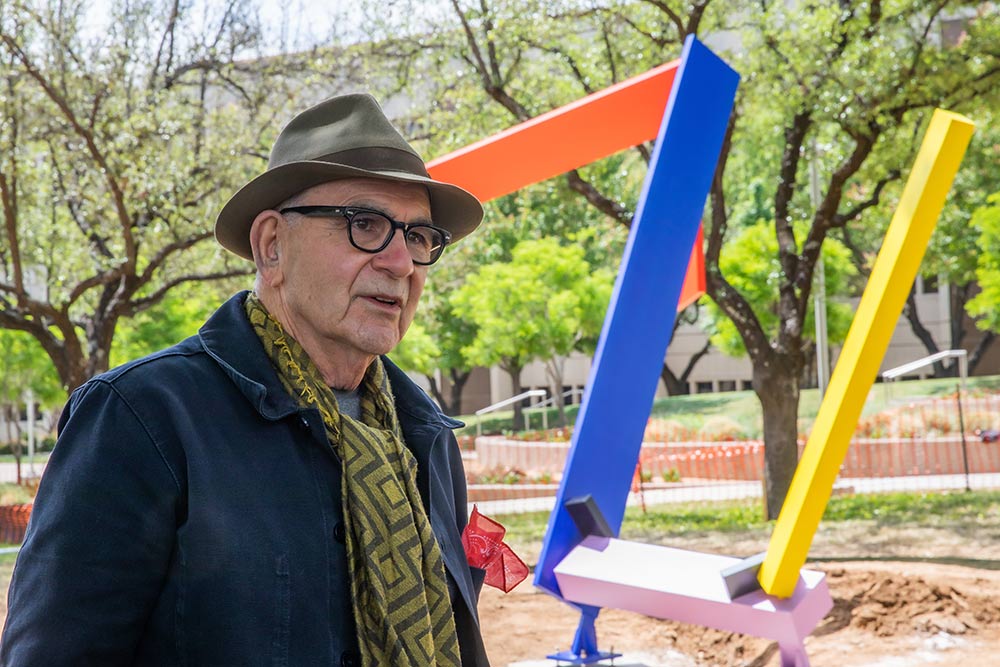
<point x="589" y="129"/>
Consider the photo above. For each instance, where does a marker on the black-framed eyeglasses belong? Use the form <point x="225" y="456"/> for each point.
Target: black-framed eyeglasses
<point x="372" y="231"/>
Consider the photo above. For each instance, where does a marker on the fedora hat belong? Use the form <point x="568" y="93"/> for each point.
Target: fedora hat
<point x="343" y="137"/>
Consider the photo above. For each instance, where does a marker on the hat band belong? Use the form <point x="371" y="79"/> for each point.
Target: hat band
<point x="378" y="158"/>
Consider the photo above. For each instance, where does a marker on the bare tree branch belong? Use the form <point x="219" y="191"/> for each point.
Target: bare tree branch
<point x="141" y="304"/>
<point x="118" y="197"/>
<point x="605" y="205"/>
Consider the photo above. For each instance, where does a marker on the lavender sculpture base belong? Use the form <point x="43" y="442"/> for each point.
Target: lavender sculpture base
<point x="689" y="587"/>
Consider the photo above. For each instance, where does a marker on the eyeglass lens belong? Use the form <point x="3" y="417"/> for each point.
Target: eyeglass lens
<point x="370" y="231"/>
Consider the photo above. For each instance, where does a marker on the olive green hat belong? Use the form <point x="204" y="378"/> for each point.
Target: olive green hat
<point x="343" y="137"/>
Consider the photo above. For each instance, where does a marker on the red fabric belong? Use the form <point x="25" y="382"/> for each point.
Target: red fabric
<point x="485" y="549"/>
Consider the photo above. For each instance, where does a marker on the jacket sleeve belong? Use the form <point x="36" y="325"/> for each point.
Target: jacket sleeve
<point x="99" y="542"/>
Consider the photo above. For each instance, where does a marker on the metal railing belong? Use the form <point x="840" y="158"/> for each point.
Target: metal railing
<point x="505" y="403"/>
<point x="545" y="413"/>
<point x="899" y="371"/>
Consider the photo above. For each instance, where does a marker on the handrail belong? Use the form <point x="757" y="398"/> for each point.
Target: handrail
<point x="898" y="371"/>
<point x="545" y="413"/>
<point x="551" y="399"/>
<point x="505" y="402"/>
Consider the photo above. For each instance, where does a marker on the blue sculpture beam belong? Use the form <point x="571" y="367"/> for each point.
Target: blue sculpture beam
<point x="640" y="318"/>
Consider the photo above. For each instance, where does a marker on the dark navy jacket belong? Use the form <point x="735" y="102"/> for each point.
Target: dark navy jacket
<point x="190" y="514"/>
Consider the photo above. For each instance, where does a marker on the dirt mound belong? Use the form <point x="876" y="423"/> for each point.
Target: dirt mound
<point x="880" y="610"/>
<point x="892" y="604"/>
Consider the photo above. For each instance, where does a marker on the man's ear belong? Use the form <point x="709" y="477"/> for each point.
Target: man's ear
<point x="265" y="245"/>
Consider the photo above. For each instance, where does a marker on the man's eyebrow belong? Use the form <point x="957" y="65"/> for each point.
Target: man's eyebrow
<point x="367" y="203"/>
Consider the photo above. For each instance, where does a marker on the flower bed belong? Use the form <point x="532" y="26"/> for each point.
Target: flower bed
<point x="13" y="522"/>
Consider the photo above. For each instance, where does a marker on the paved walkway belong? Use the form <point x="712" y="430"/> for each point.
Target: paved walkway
<point x="686" y="493"/>
<point x="8" y="471"/>
<point x="735" y="490"/>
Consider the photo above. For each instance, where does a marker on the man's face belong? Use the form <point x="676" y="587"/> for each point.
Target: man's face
<point x="336" y="295"/>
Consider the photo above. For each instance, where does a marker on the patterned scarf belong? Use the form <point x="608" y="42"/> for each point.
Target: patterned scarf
<point x="398" y="586"/>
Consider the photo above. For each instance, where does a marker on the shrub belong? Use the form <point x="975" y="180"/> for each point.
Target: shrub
<point x="552" y="435"/>
<point x="667" y="430"/>
<point x="722" y="428"/>
<point x="941" y="422"/>
<point x="499" y="475"/>
<point x="980" y="421"/>
<point x="876" y="426"/>
<point x="15" y="494"/>
<point x="671" y="475"/>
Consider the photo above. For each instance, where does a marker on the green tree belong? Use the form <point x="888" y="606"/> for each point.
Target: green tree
<point x="751" y="259"/>
<point x="856" y="79"/>
<point x="27" y="375"/>
<point x="986" y="304"/>
<point x="117" y="148"/>
<point x="543" y="304"/>
<point x="950" y="260"/>
<point x="178" y="315"/>
<point x="859" y="80"/>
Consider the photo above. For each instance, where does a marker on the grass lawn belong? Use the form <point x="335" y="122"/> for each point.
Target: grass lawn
<point x="40" y="458"/>
<point x="952" y="518"/>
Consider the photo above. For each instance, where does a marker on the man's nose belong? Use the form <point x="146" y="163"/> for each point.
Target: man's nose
<point x="395" y="257"/>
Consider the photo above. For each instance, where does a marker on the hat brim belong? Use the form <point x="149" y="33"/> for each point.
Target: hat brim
<point x="452" y="207"/>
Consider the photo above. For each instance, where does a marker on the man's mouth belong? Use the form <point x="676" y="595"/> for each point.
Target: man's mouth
<point x="386" y="300"/>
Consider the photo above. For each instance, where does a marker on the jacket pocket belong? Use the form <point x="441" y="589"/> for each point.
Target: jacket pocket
<point x="282" y="612"/>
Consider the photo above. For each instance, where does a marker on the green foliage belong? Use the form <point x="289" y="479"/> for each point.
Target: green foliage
<point x="417" y="351"/>
<point x="751" y="265"/>
<point x="986" y="304"/>
<point x="545" y="302"/>
<point x="26" y="366"/>
<point x="671" y="475"/>
<point x="117" y="150"/>
<point x="176" y="317"/>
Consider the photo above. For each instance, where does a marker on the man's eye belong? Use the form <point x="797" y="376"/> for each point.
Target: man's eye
<point x="419" y="237"/>
<point x="367" y="222"/>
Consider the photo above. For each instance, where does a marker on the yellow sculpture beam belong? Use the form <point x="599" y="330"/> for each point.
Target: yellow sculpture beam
<point x="881" y="305"/>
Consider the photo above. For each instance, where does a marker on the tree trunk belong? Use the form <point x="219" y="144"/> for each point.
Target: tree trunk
<point x="555" y="368"/>
<point x="458" y="380"/>
<point x="779" y="397"/>
<point x="920" y="331"/>
<point x="678" y="385"/>
<point x="12" y="415"/>
<point x="438" y="394"/>
<point x="673" y="384"/>
<point x="977" y="354"/>
<point x="513" y="369"/>
<point x="452" y="405"/>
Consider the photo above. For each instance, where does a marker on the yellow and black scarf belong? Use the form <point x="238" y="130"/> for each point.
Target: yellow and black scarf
<point x="398" y="586"/>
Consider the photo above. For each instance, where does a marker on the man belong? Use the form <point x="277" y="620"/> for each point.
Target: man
<point x="272" y="491"/>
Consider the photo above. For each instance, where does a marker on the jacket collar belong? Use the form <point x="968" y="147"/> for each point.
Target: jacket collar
<point x="412" y="401"/>
<point x="229" y="338"/>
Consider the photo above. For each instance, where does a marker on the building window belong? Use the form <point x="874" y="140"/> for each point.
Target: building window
<point x="746" y="385"/>
<point x="703" y="388"/>
<point x="954" y="31"/>
<point x="727" y="385"/>
<point x="930" y="285"/>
